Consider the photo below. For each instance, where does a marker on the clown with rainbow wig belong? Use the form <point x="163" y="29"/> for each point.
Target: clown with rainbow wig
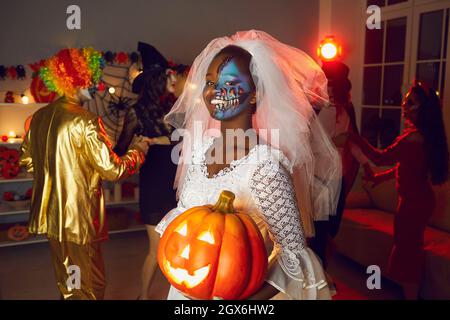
<point x="67" y="151"/>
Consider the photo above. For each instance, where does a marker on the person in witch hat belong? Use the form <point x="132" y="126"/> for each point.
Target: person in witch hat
<point x="154" y="87"/>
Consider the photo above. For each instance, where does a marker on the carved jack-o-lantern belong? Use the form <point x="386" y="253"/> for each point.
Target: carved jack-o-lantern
<point x="214" y="252"/>
<point x="18" y="233"/>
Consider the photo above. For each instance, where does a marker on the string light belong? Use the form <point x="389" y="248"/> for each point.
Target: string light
<point x="25" y="99"/>
<point x="111" y="90"/>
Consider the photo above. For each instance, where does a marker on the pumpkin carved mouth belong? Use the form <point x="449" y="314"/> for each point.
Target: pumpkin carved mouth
<point x="181" y="276"/>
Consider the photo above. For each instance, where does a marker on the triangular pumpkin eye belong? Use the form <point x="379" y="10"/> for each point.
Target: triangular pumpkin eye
<point x="182" y="229"/>
<point x="186" y="251"/>
<point x="206" y="236"/>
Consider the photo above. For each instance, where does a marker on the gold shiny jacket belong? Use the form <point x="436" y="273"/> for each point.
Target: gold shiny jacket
<point x="68" y="152"/>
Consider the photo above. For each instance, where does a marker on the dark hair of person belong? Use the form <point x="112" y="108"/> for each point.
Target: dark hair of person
<point x="430" y="124"/>
<point x="181" y="69"/>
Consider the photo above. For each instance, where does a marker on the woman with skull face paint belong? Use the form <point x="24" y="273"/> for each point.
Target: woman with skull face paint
<point x="251" y="83"/>
<point x="421" y="157"/>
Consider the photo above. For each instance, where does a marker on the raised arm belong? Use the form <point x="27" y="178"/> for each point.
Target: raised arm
<point x="97" y="148"/>
<point x="386" y="157"/>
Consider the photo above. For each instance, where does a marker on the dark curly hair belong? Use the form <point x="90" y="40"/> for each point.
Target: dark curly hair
<point x="430" y="124"/>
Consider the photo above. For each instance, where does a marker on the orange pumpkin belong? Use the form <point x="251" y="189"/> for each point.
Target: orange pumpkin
<point x="213" y="252"/>
<point x="18" y="233"/>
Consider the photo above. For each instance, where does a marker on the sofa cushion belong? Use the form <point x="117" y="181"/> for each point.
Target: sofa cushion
<point x="441" y="215"/>
<point x="358" y="200"/>
<point x="383" y="196"/>
<point x="366" y="236"/>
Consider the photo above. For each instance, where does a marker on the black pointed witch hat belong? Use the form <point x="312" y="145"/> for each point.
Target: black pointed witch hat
<point x="152" y="60"/>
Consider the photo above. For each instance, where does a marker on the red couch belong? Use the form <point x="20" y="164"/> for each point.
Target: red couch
<point x="366" y="234"/>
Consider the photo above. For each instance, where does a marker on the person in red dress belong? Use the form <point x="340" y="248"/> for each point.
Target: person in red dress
<point x="420" y="155"/>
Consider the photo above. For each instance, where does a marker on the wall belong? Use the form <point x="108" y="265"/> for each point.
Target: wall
<point x="348" y="23"/>
<point x="31" y="30"/>
<point x="180" y="29"/>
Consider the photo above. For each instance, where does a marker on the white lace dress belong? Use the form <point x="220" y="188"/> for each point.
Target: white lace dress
<point x="264" y="190"/>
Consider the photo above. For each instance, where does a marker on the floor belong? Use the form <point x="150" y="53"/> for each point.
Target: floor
<point x="26" y="273"/>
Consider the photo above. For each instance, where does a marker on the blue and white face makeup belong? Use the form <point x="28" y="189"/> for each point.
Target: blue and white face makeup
<point x="228" y="90"/>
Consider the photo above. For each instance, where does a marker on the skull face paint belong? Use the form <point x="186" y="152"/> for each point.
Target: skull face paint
<point x="228" y="89"/>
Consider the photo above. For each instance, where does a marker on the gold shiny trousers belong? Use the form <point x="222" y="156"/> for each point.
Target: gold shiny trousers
<point x="79" y="270"/>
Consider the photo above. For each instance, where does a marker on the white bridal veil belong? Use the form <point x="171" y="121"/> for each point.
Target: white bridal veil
<point x="288" y="84"/>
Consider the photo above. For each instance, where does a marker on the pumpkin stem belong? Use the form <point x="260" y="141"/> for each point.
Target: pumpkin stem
<point x="225" y="202"/>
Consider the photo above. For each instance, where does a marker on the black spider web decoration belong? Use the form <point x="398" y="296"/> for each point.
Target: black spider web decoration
<point x="112" y="107"/>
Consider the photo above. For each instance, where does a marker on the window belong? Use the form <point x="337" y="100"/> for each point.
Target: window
<point x="412" y="44"/>
<point x="383" y="3"/>
<point x="432" y="49"/>
<point x="384" y="73"/>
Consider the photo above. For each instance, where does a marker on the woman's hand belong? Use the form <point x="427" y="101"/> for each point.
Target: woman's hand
<point x="369" y="175"/>
<point x="141" y="143"/>
<point x="374" y="178"/>
<point x="163" y="140"/>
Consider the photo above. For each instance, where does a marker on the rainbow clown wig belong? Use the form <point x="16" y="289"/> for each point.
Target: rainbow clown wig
<point x="72" y="69"/>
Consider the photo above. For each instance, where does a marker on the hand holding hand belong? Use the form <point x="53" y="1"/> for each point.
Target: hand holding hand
<point x="142" y="144"/>
<point x="370" y="176"/>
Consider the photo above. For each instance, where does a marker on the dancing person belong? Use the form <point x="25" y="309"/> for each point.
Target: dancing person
<point x="338" y="119"/>
<point x="67" y="150"/>
<point x="420" y="155"/>
<point x="250" y="102"/>
<point x="155" y="86"/>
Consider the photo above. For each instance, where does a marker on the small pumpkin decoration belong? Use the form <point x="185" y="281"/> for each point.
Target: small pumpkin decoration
<point x="9" y="163"/>
<point x="18" y="233"/>
<point x="211" y="252"/>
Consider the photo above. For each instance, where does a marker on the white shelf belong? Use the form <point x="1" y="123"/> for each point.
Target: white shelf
<point x="28" y="105"/>
<point x="132" y="229"/>
<point x="8" y="212"/>
<point x="5" y="212"/>
<point x="41" y="239"/>
<point x="16" y="179"/>
<point x="10" y="144"/>
<point x="33" y="239"/>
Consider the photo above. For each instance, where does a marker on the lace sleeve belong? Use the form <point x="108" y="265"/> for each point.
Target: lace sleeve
<point x="273" y="192"/>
